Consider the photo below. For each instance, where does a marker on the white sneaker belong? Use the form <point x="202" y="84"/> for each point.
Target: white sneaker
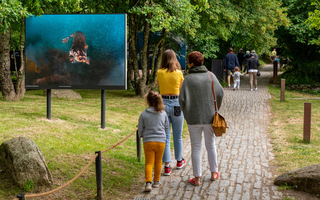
<point x="148" y="187"/>
<point x="251" y="90"/>
<point x="256" y="89"/>
<point x="228" y="85"/>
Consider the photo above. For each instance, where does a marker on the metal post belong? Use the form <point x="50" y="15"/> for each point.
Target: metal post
<point x="103" y="109"/>
<point x="21" y="196"/>
<point x="138" y="147"/>
<point x="275" y="71"/>
<point x="283" y="86"/>
<point x="48" y="103"/>
<point x="307" y="122"/>
<point x="99" y="176"/>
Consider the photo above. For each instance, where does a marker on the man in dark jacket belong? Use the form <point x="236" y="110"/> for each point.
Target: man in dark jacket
<point x="240" y="55"/>
<point x="230" y="62"/>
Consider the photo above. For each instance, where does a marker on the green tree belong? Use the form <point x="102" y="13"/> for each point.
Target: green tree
<point x="239" y="24"/>
<point x="296" y="42"/>
<point x="12" y="14"/>
<point x="314" y="19"/>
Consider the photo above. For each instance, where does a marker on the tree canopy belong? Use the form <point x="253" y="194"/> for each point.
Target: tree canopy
<point x="297" y="41"/>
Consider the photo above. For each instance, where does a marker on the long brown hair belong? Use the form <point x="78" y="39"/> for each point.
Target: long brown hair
<point x="169" y="61"/>
<point x="155" y="101"/>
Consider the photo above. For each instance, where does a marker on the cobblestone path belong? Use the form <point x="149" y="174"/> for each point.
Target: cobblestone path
<point x="244" y="153"/>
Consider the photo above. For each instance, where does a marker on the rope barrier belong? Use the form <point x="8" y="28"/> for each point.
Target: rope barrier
<point x="84" y="169"/>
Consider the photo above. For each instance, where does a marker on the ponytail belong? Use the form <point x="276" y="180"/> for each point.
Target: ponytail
<point x="155" y="101"/>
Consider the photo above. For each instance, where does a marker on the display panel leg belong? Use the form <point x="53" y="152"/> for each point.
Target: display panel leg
<point x="103" y="109"/>
<point x="48" y="103"/>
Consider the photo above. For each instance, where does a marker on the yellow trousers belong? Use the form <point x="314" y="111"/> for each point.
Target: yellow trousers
<point x="153" y="152"/>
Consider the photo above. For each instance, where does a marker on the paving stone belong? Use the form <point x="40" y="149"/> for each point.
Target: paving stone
<point x="265" y="196"/>
<point x="187" y="195"/>
<point x="195" y="197"/>
<point x="236" y="197"/>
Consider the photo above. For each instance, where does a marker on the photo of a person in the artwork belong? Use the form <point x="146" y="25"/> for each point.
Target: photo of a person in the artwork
<point x="78" y="51"/>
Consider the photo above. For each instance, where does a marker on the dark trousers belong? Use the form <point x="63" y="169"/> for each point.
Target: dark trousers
<point x="240" y="63"/>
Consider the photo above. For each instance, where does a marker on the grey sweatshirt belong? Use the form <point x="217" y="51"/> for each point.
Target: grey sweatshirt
<point x="196" y="98"/>
<point x="153" y="126"/>
<point x="236" y="76"/>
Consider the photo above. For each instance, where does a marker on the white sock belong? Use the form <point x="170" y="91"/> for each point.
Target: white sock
<point x="167" y="165"/>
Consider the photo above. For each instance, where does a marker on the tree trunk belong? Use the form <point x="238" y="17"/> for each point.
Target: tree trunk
<point x="133" y="58"/>
<point x="144" y="89"/>
<point x="7" y="87"/>
<point x="20" y="86"/>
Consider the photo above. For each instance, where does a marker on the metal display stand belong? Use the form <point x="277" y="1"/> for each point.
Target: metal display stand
<point x="103" y="109"/>
<point x="48" y="103"/>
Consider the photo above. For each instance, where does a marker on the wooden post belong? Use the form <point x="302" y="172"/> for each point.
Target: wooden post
<point x="99" y="176"/>
<point x="275" y="71"/>
<point x="283" y="86"/>
<point x="307" y="122"/>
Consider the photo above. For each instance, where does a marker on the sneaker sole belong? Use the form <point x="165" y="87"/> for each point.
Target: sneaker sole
<point x="167" y="174"/>
<point x="148" y="190"/>
<point x="155" y="186"/>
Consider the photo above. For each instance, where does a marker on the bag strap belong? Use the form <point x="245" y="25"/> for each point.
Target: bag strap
<point x="214" y="96"/>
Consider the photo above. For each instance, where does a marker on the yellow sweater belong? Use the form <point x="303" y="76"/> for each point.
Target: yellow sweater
<point x="169" y="82"/>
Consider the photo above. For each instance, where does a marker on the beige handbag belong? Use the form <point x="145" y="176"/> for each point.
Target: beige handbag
<point x="219" y="124"/>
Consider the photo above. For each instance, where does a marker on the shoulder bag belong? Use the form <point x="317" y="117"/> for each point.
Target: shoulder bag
<point x="219" y="124"/>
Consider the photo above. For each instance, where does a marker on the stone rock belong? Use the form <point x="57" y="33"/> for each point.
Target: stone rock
<point x="306" y="179"/>
<point x="63" y="93"/>
<point x="23" y="160"/>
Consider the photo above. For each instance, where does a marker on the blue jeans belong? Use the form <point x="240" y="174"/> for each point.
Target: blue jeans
<point x="172" y="109"/>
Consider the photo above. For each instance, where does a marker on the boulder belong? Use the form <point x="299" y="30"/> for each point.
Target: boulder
<point x="63" y="93"/>
<point x="306" y="179"/>
<point x="23" y="160"/>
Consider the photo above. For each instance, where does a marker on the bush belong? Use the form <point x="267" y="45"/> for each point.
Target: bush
<point x="302" y="72"/>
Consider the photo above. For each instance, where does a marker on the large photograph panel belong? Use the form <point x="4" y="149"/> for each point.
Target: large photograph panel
<point x="76" y="51"/>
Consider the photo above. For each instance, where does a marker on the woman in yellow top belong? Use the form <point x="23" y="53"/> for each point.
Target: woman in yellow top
<point x="169" y="79"/>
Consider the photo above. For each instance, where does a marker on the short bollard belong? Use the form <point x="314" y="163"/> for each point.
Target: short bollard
<point x="275" y="71"/>
<point x="99" y="176"/>
<point x="138" y="146"/>
<point x="307" y="122"/>
<point x="21" y="196"/>
<point x="283" y="86"/>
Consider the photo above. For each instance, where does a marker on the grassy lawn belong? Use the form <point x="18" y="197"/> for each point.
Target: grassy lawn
<point x="69" y="140"/>
<point x="287" y="130"/>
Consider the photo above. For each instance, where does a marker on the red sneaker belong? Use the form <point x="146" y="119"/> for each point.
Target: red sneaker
<point x="181" y="163"/>
<point x="167" y="170"/>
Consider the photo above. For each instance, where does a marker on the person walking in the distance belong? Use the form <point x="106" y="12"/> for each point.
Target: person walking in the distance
<point x="153" y="124"/>
<point x="230" y="62"/>
<point x="253" y="64"/>
<point x="255" y="55"/>
<point x="246" y="58"/>
<point x="197" y="103"/>
<point x="240" y="55"/>
<point x="273" y="55"/>
<point x="236" y="75"/>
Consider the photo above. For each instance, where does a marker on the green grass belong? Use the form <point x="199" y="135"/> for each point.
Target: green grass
<point x="70" y="139"/>
<point x="287" y="130"/>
